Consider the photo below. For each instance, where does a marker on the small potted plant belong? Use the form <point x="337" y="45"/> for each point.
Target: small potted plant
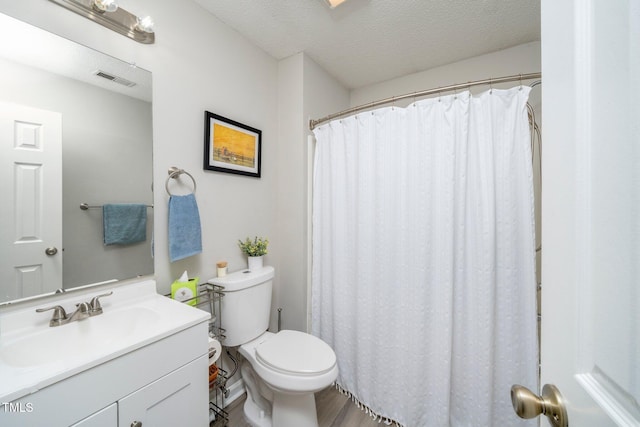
<point x="255" y="250"/>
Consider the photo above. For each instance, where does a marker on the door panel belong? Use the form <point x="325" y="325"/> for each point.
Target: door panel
<point x="31" y="219"/>
<point x="590" y="208"/>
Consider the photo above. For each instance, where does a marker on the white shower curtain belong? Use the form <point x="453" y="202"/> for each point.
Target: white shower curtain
<point x="423" y="275"/>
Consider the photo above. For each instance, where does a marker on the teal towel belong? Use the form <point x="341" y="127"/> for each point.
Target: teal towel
<point x="124" y="223"/>
<point x="185" y="235"/>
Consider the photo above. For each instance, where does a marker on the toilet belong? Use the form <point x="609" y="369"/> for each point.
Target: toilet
<point x="282" y="370"/>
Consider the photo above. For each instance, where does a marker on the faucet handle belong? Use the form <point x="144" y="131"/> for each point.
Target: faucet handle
<point x="96" y="308"/>
<point x="83" y="307"/>
<point x="59" y="315"/>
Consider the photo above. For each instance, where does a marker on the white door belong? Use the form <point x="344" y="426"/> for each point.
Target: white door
<point x="591" y="208"/>
<point x="31" y="210"/>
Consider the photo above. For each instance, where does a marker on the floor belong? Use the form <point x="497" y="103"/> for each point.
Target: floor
<point x="334" y="410"/>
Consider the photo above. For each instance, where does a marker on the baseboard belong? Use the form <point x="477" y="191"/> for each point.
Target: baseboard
<point x="236" y="391"/>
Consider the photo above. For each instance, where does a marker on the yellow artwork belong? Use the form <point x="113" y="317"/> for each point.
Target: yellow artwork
<point x="233" y="146"/>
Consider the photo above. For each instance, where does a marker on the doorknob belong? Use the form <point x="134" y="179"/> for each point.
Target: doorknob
<point x="529" y="405"/>
<point x="51" y="251"/>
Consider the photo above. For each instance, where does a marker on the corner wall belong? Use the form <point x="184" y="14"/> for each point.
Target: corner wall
<point x="305" y="91"/>
<point x="521" y="59"/>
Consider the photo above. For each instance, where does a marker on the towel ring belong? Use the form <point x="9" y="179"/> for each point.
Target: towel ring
<point x="174" y="173"/>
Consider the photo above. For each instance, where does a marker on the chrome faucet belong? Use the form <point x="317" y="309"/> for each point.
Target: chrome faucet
<point x="95" y="306"/>
<point x="83" y="310"/>
<point x="60" y="315"/>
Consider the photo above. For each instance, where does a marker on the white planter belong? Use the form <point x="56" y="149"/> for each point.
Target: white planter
<point x="255" y="262"/>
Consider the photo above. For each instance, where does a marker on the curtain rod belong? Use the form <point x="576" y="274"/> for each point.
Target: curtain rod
<point x="519" y="77"/>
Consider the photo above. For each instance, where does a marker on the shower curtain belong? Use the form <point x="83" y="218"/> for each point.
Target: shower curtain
<point x="423" y="277"/>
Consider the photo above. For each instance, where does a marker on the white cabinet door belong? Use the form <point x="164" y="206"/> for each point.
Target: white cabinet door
<point x="31" y="214"/>
<point x="107" y="417"/>
<point x="591" y="208"/>
<point x="177" y="399"/>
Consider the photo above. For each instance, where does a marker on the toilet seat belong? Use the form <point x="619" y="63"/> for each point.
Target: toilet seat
<point x="296" y="353"/>
<point x="298" y="377"/>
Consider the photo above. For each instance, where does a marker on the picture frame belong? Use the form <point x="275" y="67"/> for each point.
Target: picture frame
<point x="231" y="146"/>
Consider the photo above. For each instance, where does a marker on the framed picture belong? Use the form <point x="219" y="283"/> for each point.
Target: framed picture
<point x="230" y="146"/>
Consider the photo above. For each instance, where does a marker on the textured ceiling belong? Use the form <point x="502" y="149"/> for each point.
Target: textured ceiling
<point x="367" y="41"/>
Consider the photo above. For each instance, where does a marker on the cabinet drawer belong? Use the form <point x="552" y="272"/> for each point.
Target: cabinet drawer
<point x="177" y="399"/>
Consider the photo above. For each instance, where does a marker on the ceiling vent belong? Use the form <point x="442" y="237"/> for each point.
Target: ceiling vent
<point x="115" y="79"/>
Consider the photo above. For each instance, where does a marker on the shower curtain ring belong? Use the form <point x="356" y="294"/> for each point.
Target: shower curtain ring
<point x="491" y="86"/>
<point x="520" y="81"/>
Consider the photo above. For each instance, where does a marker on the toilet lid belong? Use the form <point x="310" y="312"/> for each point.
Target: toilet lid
<point x="295" y="352"/>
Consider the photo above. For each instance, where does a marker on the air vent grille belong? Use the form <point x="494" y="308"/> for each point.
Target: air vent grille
<point x="115" y="79"/>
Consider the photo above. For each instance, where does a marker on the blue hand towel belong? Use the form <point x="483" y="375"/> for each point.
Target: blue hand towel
<point x="185" y="235"/>
<point x="124" y="224"/>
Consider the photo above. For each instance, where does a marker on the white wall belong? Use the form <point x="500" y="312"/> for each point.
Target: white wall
<point x="198" y="64"/>
<point x="305" y="91"/>
<point x="90" y="149"/>
<point x="520" y="59"/>
<point x="289" y="194"/>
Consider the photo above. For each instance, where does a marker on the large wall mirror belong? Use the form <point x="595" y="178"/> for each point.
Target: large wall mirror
<point x="75" y="128"/>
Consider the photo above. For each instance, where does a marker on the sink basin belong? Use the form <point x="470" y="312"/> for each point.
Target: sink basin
<point x="34" y="355"/>
<point x="76" y="339"/>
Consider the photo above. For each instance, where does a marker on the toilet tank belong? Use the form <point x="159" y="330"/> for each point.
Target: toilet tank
<point x="246" y="304"/>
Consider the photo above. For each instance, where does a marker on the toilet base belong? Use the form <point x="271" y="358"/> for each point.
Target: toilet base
<point x="289" y="410"/>
<point x="257" y="409"/>
<point x="254" y="414"/>
<point x="294" y="410"/>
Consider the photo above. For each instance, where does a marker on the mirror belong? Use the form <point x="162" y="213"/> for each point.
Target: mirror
<point x="93" y="112"/>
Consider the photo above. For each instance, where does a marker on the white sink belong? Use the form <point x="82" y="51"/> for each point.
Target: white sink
<point x="77" y="339"/>
<point x="34" y="355"/>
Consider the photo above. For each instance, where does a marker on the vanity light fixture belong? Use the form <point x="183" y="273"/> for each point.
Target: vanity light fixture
<point x="108" y="14"/>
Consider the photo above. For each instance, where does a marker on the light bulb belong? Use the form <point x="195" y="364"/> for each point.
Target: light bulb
<point x="105" y="5"/>
<point x="145" y="24"/>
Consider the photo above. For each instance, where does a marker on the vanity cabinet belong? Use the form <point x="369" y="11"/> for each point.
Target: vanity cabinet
<point x="107" y="417"/>
<point x="165" y="402"/>
<point x="164" y="383"/>
<point x="169" y="401"/>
